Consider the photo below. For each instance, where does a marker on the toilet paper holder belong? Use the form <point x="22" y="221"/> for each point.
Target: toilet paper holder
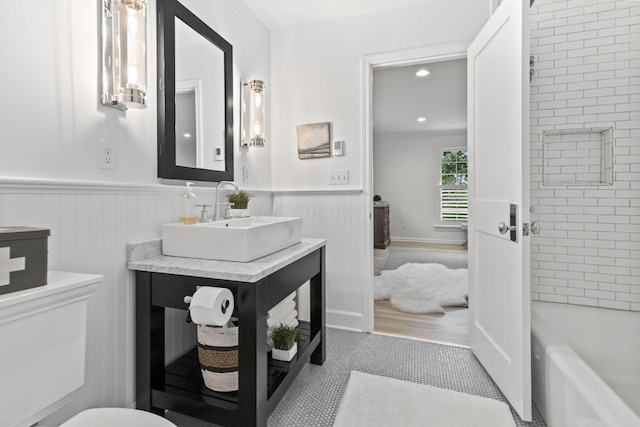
<point x="224" y="306"/>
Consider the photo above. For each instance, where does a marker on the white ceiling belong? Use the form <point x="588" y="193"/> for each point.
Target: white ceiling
<point x="399" y="98"/>
<point x="277" y="14"/>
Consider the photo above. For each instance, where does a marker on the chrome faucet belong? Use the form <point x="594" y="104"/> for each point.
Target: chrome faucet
<point x="216" y="215"/>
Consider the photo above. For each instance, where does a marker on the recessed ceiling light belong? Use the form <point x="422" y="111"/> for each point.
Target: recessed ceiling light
<point x="422" y="73"/>
<point x="422" y="119"/>
<point x="187" y="135"/>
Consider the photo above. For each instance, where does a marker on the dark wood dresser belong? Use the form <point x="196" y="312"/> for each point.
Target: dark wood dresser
<point x="381" y="237"/>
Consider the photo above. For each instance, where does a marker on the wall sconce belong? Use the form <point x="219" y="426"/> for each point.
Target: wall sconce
<point x="252" y="114"/>
<point x="124" y="54"/>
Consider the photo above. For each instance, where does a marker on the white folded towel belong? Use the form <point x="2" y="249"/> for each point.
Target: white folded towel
<point x="284" y="301"/>
<point x="293" y="322"/>
<point x="285" y="318"/>
<point x="281" y="311"/>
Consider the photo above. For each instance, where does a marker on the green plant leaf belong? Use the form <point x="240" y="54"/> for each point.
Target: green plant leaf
<point x="283" y="336"/>
<point x="239" y="200"/>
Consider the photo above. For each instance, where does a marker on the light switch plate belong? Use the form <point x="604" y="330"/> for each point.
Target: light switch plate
<point x="338" y="148"/>
<point x="339" y="177"/>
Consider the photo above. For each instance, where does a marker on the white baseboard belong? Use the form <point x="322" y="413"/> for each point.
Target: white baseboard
<point x="346" y="320"/>
<point x="421" y="240"/>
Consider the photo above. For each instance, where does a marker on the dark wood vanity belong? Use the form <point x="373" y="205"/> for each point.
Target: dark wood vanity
<point x="163" y="282"/>
<point x="381" y="236"/>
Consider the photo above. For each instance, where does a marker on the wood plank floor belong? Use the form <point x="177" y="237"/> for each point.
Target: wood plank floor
<point x="451" y="327"/>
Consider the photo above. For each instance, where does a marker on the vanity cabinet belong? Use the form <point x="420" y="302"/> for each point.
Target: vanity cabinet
<point x="381" y="238"/>
<point x="163" y="282"/>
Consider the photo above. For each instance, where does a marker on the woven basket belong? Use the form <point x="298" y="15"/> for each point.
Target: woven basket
<point x="218" y="355"/>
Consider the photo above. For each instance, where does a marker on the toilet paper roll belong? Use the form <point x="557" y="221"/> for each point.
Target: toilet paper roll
<point x="211" y="306"/>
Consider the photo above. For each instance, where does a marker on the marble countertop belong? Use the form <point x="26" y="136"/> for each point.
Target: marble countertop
<point x="147" y="256"/>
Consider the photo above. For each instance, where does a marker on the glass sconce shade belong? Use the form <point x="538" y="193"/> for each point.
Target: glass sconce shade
<point x="124" y="54"/>
<point x="253" y="116"/>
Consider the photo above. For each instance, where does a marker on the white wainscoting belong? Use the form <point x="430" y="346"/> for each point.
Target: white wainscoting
<point x="337" y="217"/>
<point x="91" y="223"/>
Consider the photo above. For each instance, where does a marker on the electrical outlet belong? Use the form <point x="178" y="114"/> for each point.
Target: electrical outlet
<point x="107" y="154"/>
<point x="245" y="174"/>
<point x="339" y="177"/>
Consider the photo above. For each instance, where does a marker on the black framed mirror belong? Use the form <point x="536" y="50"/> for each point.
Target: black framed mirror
<point x="195" y="97"/>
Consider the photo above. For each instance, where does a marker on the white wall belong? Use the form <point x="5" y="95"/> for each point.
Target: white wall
<point x="406" y="170"/>
<point x="317" y="74"/>
<point x="50" y="121"/>
<point x="50" y="114"/>
<point x="587" y="69"/>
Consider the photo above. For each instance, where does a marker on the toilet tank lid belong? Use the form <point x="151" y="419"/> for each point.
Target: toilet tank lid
<point x="61" y="286"/>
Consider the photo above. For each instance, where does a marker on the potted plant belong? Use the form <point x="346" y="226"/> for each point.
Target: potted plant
<point x="377" y="198"/>
<point x="284" y="342"/>
<point x="239" y="203"/>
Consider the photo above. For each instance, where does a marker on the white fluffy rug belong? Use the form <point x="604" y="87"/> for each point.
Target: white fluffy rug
<point x="423" y="288"/>
<point x="374" y="401"/>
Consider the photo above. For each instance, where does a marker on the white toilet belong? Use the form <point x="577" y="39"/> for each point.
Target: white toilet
<point x="43" y="332"/>
<point x="120" y="417"/>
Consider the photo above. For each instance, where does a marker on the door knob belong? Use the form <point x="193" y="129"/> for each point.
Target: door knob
<point x="503" y="228"/>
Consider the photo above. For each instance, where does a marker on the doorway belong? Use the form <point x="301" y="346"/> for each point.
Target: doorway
<point x="404" y="160"/>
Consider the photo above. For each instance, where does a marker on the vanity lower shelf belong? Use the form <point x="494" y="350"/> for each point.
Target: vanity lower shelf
<point x="183" y="377"/>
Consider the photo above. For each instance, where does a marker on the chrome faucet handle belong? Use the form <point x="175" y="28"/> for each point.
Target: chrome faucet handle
<point x="203" y="214"/>
<point x="224" y="211"/>
<point x="227" y="210"/>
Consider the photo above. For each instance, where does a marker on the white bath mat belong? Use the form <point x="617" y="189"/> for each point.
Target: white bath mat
<point x="374" y="401"/>
<point x="423" y="288"/>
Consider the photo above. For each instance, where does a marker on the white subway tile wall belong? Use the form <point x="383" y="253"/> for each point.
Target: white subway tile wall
<point x="577" y="156"/>
<point x="587" y="75"/>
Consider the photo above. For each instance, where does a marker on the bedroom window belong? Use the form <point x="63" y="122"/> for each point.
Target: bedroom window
<point x="453" y="185"/>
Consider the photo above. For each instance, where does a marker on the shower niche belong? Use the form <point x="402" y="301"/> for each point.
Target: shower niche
<point x="577" y="157"/>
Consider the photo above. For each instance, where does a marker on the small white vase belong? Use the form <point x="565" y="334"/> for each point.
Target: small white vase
<point x="285" y="355"/>
<point x="239" y="213"/>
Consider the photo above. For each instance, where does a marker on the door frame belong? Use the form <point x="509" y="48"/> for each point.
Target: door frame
<point x="432" y="53"/>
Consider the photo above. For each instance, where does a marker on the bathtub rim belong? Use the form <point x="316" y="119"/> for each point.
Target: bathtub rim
<point x="604" y="401"/>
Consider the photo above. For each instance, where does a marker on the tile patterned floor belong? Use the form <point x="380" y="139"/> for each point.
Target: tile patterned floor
<point x="314" y="397"/>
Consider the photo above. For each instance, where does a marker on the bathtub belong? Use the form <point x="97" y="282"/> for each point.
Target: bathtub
<point x="585" y="365"/>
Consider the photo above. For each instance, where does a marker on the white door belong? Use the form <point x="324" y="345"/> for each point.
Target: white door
<point x="498" y="123"/>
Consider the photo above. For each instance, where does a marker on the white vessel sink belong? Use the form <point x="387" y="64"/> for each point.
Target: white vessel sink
<point x="237" y="239"/>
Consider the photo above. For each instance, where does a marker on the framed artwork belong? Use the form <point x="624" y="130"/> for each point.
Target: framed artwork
<point x="314" y="140"/>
